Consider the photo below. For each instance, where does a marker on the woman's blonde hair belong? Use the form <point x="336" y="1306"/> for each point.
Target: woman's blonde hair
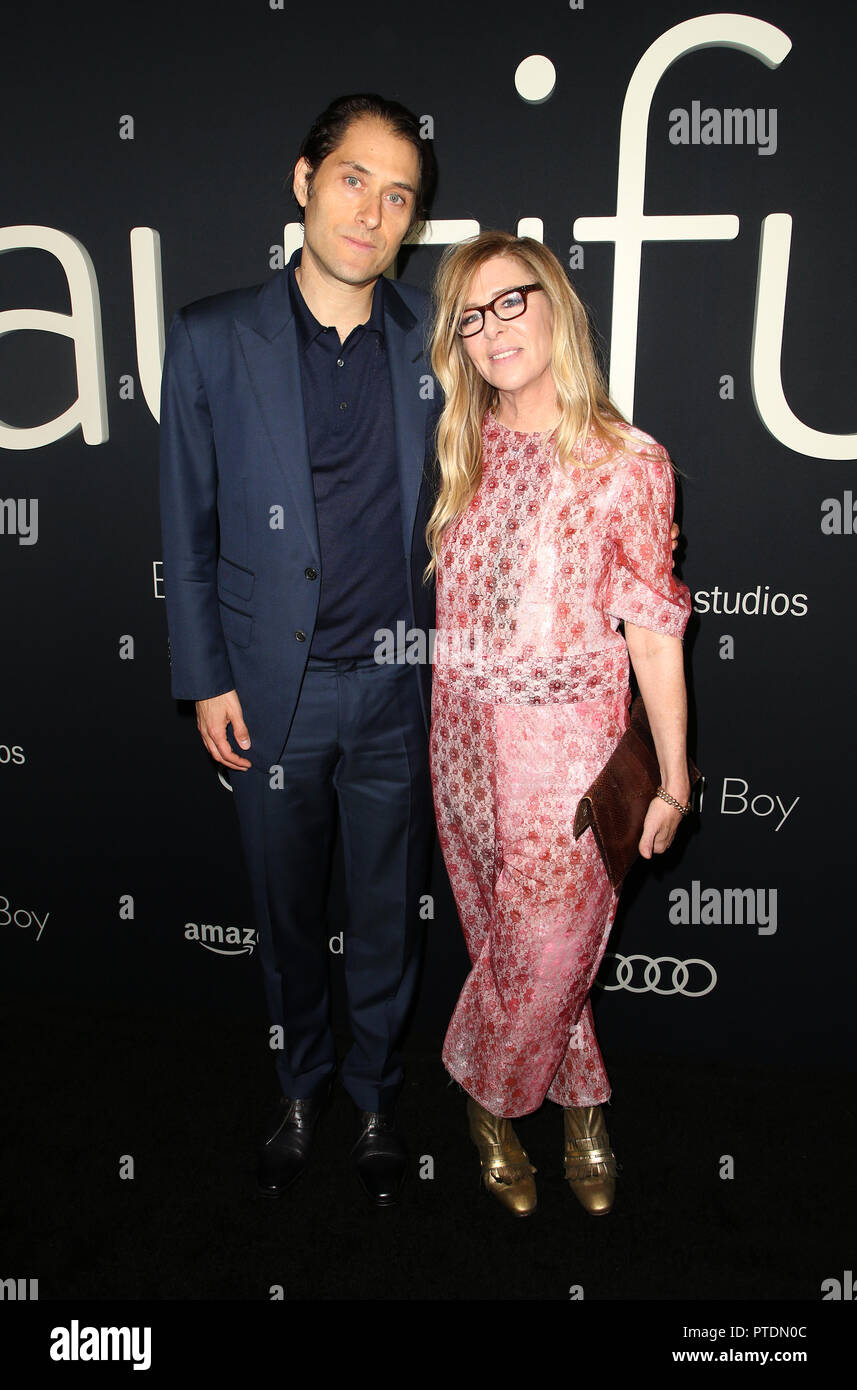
<point x="587" y="413"/>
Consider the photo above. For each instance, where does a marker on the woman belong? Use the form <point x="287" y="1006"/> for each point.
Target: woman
<point x="551" y="525"/>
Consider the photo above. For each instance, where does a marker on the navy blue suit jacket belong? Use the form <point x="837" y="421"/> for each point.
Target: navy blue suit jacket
<point x="241" y="558"/>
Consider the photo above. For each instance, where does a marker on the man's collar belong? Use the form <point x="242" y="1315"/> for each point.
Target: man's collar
<point x="271" y="309"/>
<point x="309" y="327"/>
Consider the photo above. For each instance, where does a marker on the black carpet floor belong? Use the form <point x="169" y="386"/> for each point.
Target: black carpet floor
<point x="185" y="1100"/>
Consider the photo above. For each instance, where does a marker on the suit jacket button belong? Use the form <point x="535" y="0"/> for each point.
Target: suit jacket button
<point x="311" y="572"/>
<point x="300" y="636"/>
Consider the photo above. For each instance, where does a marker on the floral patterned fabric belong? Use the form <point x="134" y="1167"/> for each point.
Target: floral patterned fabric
<point x="530" y="697"/>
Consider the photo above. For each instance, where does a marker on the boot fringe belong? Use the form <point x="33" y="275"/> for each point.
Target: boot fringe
<point x="606" y="1168"/>
<point x="509" y="1172"/>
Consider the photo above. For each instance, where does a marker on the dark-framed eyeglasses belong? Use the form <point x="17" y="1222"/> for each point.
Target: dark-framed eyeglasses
<point x="508" y="305"/>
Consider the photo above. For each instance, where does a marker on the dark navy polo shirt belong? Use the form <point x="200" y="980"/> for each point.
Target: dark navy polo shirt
<point x="348" y="405"/>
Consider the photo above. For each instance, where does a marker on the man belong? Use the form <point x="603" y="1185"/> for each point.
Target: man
<point x="296" y="426"/>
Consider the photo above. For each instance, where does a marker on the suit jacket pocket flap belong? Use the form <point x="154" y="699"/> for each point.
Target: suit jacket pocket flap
<point x="237" y="627"/>
<point x="235" y="579"/>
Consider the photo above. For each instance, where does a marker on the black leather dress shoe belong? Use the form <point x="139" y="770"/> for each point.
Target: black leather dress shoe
<point x="379" y="1156"/>
<point x="284" y="1155"/>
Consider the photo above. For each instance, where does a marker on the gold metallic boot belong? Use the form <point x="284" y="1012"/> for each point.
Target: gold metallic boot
<point x="590" y="1163"/>
<point x="506" y="1170"/>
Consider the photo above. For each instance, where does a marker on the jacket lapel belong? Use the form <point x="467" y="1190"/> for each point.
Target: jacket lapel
<point x="269" y="343"/>
<point x="270" y="346"/>
<point x="405" y="356"/>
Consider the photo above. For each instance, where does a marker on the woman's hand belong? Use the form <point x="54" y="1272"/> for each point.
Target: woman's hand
<point x="659" y="828"/>
<point x="658" y="662"/>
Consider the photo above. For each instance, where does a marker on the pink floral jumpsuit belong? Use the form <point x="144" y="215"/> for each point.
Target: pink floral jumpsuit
<point x="530" y="697"/>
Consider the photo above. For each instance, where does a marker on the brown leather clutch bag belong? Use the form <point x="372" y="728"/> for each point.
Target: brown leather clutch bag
<point x="614" y="807"/>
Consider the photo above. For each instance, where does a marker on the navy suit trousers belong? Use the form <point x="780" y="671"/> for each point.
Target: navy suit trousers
<point x="357" y="750"/>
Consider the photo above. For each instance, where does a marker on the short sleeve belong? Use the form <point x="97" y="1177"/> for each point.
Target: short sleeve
<point x="641" y="586"/>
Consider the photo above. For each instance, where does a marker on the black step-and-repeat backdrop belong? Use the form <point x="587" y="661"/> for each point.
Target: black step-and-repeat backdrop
<point x="695" y="173"/>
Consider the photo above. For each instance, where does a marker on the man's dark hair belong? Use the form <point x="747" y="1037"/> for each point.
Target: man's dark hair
<point x="330" y="128"/>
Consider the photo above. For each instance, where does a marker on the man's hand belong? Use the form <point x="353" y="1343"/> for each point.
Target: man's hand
<point x="212" y="716"/>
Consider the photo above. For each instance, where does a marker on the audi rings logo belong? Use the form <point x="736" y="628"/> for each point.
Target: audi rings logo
<point x="687" y="976"/>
